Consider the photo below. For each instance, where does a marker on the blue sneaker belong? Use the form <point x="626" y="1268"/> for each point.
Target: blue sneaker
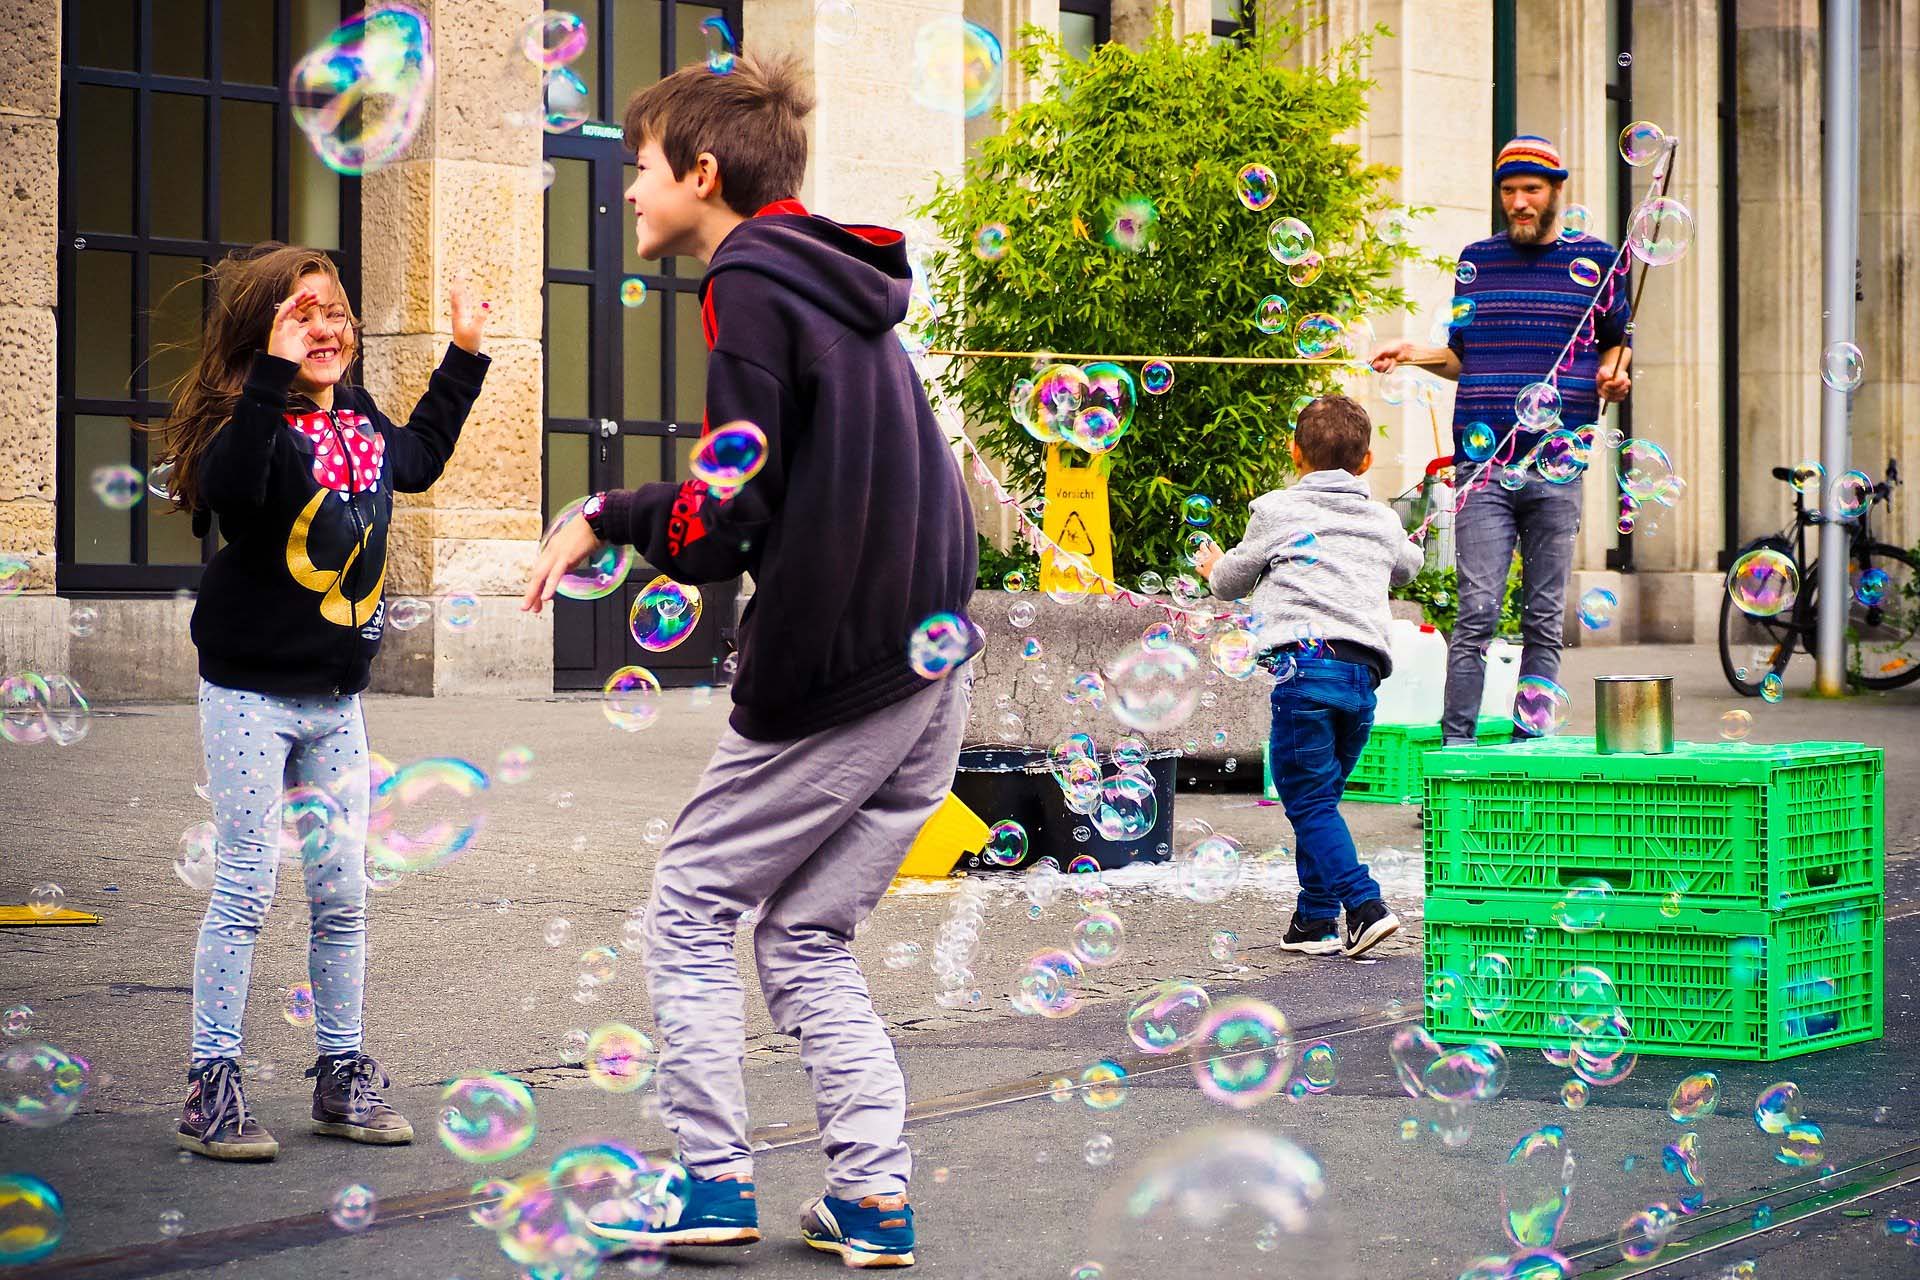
<point x="716" y="1211"/>
<point x="874" y="1232"/>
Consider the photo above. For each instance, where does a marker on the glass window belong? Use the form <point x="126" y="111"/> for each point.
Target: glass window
<point x="102" y="324"/>
<point x="641" y="361"/>
<point x="246" y="47"/>
<point x="313" y="196"/>
<point x="246" y="171"/>
<point x="636" y="50"/>
<point x="1079" y="32"/>
<point x="178" y="301"/>
<point x="105" y="39"/>
<point x="170" y="537"/>
<point x="568" y="316"/>
<point x="689" y="39"/>
<point x="570" y="216"/>
<point x="566" y="469"/>
<point x="690" y="360"/>
<point x="99" y="130"/>
<point x="179" y="38"/>
<point x="101" y="535"/>
<point x="640" y="461"/>
<point x="178" y="147"/>
<point x="683" y="456"/>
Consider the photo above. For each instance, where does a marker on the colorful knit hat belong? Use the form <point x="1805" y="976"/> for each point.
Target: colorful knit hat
<point x="1529" y="154"/>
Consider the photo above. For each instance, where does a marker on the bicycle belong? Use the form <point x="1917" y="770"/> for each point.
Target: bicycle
<point x="1883" y="619"/>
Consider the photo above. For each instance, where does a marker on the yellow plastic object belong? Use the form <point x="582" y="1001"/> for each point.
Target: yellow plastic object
<point x="26" y="918"/>
<point x="1075" y="520"/>
<point x="952" y="832"/>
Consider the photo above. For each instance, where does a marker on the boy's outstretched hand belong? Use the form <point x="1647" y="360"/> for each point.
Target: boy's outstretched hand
<point x="573" y="543"/>
<point x="1207" y="557"/>
<point x="469" y="318"/>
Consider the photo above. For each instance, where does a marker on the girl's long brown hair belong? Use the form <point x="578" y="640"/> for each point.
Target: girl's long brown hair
<point x="249" y="286"/>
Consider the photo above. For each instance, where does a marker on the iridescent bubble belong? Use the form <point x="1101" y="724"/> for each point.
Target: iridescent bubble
<point x="1583" y="904"/>
<point x="1490" y="985"/>
<point x="1236" y="652"/>
<point x="1153" y="689"/>
<point x="596" y="577"/>
<point x="14" y="572"/>
<point x="1209" y="869"/>
<point x="1319" y="1067"/>
<point x="1006" y="844"/>
<point x="633" y="292"/>
<point x="1477" y="442"/>
<point x="1446" y="991"/>
<point x="40" y="1086"/>
<point x="1095" y="430"/>
<point x="1763" y="582"/>
<point x="486" y="1118"/>
<point x="1645" y="469"/>
<point x="311" y="819"/>
<point x="722" y="53"/>
<point x="118" y="486"/>
<point x="1540" y="707"/>
<point x="1156" y="377"/>
<point x="990" y="241"/>
<point x="567" y="102"/>
<point x="1049" y="985"/>
<point x="173" y="1223"/>
<point x="1573" y="1094"/>
<point x="425" y="815"/>
<point x="1574" y="221"/>
<point x="1317" y="335"/>
<point x="1271" y="315"/>
<point x="1641" y="142"/>
<point x="1412" y="1051"/>
<point x="1020" y="614"/>
<point x="656" y="831"/>
<point x="1695" y="1097"/>
<point x="630" y="699"/>
<point x="460" y="611"/>
<point x="1289" y="240"/>
<point x="1031" y="649"/>
<point x="1537" y="406"/>
<point x="1536" y="1187"/>
<point x="1681" y="1159"/>
<point x="939" y="644"/>
<point x="1133" y="224"/>
<point x="1014" y="580"/>
<point x="1560" y="457"/>
<point x="1465" y="272"/>
<point x="1842" y="366"/>
<point x="353" y="1208"/>
<point x="553" y="39"/>
<point x="1224" y="946"/>
<point x="34" y="1218"/>
<point x="1216" y="1177"/>
<point x="664" y="614"/>
<point x="1870" y="587"/>
<point x="619" y="1059"/>
<point x="1103" y="1085"/>
<point x="16" y="1021"/>
<point x="1097" y="938"/>
<point x="298" y="1008"/>
<point x="1242" y="1053"/>
<point x="1394" y="227"/>
<point x="1660" y="231"/>
<point x="1800" y="1145"/>
<point x="1128" y="808"/>
<point x="1256" y="186"/>
<point x="361" y="94"/>
<point x="1853" y="494"/>
<point x="1460" y="312"/>
<point x="1645" y="1233"/>
<point x="1777" y="1108"/>
<point x="957" y="67"/>
<point x="1470" y="1073"/>
<point x="1059" y="392"/>
<point x="407" y="612"/>
<point x="1099" y="1150"/>
<point x="1197" y="510"/>
<point x="1597" y="607"/>
<point x="1584" y="272"/>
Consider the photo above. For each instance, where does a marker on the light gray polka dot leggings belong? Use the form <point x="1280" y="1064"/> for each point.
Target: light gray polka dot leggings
<point x="258" y="748"/>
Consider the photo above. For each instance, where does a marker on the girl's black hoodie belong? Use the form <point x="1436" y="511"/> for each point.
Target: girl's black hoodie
<point x="293" y="604"/>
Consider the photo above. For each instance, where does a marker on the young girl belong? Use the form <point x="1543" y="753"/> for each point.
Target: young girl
<point x="301" y="469"/>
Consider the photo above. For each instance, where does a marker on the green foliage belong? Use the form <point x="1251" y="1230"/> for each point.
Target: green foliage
<point x="1438" y="594"/>
<point x="1171" y="122"/>
<point x="996" y="564"/>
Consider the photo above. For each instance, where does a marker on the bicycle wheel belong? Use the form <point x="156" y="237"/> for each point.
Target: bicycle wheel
<point x="1751" y="647"/>
<point x="1883" y="616"/>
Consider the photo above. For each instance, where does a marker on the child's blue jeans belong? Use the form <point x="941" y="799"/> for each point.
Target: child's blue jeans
<point x="1321" y="718"/>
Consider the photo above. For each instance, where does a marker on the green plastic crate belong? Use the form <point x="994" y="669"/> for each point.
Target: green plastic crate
<point x="1388" y="770"/>
<point x="1752" y="985"/>
<point x="1724" y="824"/>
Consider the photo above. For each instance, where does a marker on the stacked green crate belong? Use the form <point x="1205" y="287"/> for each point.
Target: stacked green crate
<point x="1389" y="768"/>
<point x="1732" y="892"/>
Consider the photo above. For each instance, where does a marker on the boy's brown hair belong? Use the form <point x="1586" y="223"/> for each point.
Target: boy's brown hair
<point x="752" y="119"/>
<point x="1334" y="434"/>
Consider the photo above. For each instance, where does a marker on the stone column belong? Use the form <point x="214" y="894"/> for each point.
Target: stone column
<point x="30" y="630"/>
<point x="1677" y="332"/>
<point x="465" y="200"/>
<point x="1132" y="20"/>
<point x="1779" y="299"/>
<point x="1886" y="410"/>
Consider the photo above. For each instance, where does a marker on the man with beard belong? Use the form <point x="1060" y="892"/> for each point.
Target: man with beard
<point x="1519" y="298"/>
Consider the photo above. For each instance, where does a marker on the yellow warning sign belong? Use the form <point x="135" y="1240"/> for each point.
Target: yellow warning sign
<point x="1077" y="522"/>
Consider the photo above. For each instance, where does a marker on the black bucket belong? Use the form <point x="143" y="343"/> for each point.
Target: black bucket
<point x="996" y="782"/>
<point x="1059" y="823"/>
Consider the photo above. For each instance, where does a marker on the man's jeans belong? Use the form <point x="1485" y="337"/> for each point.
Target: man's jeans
<point x="1543" y="519"/>
<point x="1321" y="718"/>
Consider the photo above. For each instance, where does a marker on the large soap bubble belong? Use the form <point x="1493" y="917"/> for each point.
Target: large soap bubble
<point x="360" y="94"/>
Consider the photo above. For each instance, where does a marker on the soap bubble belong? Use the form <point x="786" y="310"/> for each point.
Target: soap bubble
<point x="1242" y="1053"/>
<point x="1271" y="315"/>
<point x="990" y="241"/>
<point x="619" y="1059"/>
<point x="1154" y="689"/>
<point x="1800" y="1145"/>
<point x="1394" y="227"/>
<point x="1111" y="388"/>
<point x="1540" y="707"/>
<point x="1736" y="725"/>
<point x="721" y="50"/>
<point x="1460" y="313"/>
<point x="459" y="611"/>
<point x="1168" y="1017"/>
<point x="45" y="899"/>
<point x="1319" y="1067"/>
<point x="1289" y="240"/>
<point x="1772" y="687"/>
<point x="298" y="1008"/>
<point x="1006" y="844"/>
<point x="664" y="614"/>
<point x="1537" y="406"/>
<point x="1465" y="272"/>
<point x="1049" y="984"/>
<point x="1475" y="1072"/>
<point x="631" y="699"/>
<point x="425" y="815"/>
<point x="354" y="1208"/>
<point x="1641" y="142"/>
<point x="1132" y="224"/>
<point x="1597" y="606"/>
<point x="1128" y="808"/>
<point x="1057" y="395"/>
<point x="1777" y="1108"/>
<point x="939" y="644"/>
<point x="633" y="292"/>
<point x="16" y="1021"/>
<point x="1584" y="272"/>
<point x="1477" y="442"/>
<point x="1097" y="938"/>
<point x="1560" y="457"/>
<point x="1209" y="1178"/>
<point x="1842" y="366"/>
<point x="1101" y="1085"/>
<point x="35" y="1219"/>
<point x="40" y="1085"/>
<point x="1536" y="1187"/>
<point x="1573" y="1094"/>
<point x="1645" y="469"/>
<point x="1256" y="186"/>
<point x="598" y="576"/>
<point x="1870" y="587"/>
<point x="1317" y="335"/>
<point x="553" y="39"/>
<point x="1209" y="869"/>
<point x="1853" y="494"/>
<point x="1695" y="1097"/>
<point x="1197" y="510"/>
<point x="1661" y="231"/>
<point x="118" y="486"/>
<point x="1490" y="985"/>
<point x="957" y="67"/>
<point x="567" y="102"/>
<point x="361" y="94"/>
<point x="1763" y="582"/>
<point x="1645" y="1233"/>
<point x="1156" y="377"/>
<point x="1574" y="221"/>
<point x="487" y="1118"/>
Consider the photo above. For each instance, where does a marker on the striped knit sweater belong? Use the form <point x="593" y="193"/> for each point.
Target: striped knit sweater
<point x="1526" y="305"/>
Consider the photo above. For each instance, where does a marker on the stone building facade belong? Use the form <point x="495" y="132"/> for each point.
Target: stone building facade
<point x="134" y="148"/>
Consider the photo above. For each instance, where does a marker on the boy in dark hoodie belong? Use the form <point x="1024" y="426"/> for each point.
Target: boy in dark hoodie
<point x="855" y="529"/>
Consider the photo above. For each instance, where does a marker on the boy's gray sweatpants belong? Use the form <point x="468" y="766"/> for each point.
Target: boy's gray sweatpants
<point x="811" y="831"/>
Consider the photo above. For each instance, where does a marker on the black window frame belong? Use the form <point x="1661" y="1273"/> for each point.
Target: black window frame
<point x="1101" y="11"/>
<point x="1621" y="185"/>
<point x="138" y="577"/>
<point x="1237" y="28"/>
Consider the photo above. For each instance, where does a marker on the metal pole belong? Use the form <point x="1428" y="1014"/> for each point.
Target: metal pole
<point x="1840" y="225"/>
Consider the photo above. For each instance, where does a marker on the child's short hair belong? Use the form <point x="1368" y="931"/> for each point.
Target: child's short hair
<point x="1334" y="434"/>
<point x="752" y="119"/>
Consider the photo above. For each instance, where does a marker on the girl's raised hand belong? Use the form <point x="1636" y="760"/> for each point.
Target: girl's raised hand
<point x="288" y="337"/>
<point x="469" y="319"/>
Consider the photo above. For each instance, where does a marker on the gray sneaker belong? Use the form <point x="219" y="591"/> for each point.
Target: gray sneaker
<point x="215" y="1121"/>
<point x="347" y="1102"/>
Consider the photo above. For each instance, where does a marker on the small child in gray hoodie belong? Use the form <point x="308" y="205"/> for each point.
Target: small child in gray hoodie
<point x="1317" y="560"/>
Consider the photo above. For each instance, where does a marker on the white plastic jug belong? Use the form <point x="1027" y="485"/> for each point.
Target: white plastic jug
<point x="1416" y="691"/>
<point x="1503" y="677"/>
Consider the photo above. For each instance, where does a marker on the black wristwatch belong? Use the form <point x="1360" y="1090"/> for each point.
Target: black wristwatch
<point x="591" y="512"/>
